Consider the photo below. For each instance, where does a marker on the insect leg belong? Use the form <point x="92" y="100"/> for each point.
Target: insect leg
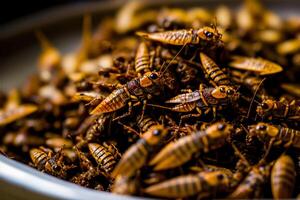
<point x="125" y="114"/>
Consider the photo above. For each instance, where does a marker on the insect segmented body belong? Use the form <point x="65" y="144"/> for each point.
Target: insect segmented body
<point x="138" y="89"/>
<point x="283" y="177"/>
<point x="103" y="157"/>
<point x="258" y="65"/>
<point x="204" y="184"/>
<point x="202" y="36"/>
<point x="279" y="109"/>
<point x="213" y="71"/>
<point x="47" y="162"/>
<point x="135" y="157"/>
<point x="251" y="187"/>
<point x="142" y="59"/>
<point x="277" y="134"/>
<point x="125" y="185"/>
<point x="209" y="98"/>
<point x="176" y="153"/>
<point x="145" y="123"/>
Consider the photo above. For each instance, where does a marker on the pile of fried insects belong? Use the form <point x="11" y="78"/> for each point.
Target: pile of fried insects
<point x="167" y="103"/>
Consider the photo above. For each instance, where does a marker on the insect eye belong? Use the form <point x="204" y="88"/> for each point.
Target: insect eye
<point x="153" y="76"/>
<point x="261" y="127"/>
<point x="208" y="34"/>
<point x="221" y="127"/>
<point x="220" y="176"/>
<point x="230" y="92"/>
<point x="156" y="132"/>
<point x="222" y="89"/>
<point x="264" y="106"/>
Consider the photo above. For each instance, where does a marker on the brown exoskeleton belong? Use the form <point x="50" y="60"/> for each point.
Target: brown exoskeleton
<point x="176" y="153"/>
<point x="137" y="90"/>
<point x="279" y="109"/>
<point x="135" y="157"/>
<point x="274" y="134"/>
<point x="203" y="36"/>
<point x="213" y="71"/>
<point x="209" y="98"/>
<point x="283" y="177"/>
<point x="44" y="160"/>
<point x="204" y="184"/>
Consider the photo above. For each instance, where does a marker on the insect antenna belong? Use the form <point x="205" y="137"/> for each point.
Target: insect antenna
<point x="239" y="154"/>
<point x="159" y="106"/>
<point x="170" y="61"/>
<point x="254" y="95"/>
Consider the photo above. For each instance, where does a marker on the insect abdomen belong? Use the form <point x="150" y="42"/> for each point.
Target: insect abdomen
<point x="179" y="187"/>
<point x="116" y="100"/>
<point x="213" y="71"/>
<point x="132" y="160"/>
<point x="102" y="156"/>
<point x="283" y="178"/>
<point x="142" y="61"/>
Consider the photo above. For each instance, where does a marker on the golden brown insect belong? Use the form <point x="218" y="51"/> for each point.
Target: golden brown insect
<point x="137" y="90"/>
<point x="176" y="153"/>
<point x="252" y="186"/>
<point x="272" y="134"/>
<point x="258" y="65"/>
<point x="12" y="114"/>
<point x="213" y="71"/>
<point x="103" y="157"/>
<point x="48" y="162"/>
<point x="125" y="185"/>
<point x="283" y="178"/>
<point x="142" y="59"/>
<point x="209" y="98"/>
<point x="135" y="157"/>
<point x="203" y="36"/>
<point x="279" y="109"/>
<point x="204" y="184"/>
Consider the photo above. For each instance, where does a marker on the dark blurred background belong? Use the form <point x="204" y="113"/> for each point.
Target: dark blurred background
<point x="13" y="9"/>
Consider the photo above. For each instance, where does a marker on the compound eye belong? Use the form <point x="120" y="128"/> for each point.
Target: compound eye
<point x="156" y="132"/>
<point x="208" y="34"/>
<point x="261" y="127"/>
<point x="230" y="92"/>
<point x="221" y="127"/>
<point x="222" y="89"/>
<point x="153" y="76"/>
<point x="220" y="177"/>
<point x="264" y="106"/>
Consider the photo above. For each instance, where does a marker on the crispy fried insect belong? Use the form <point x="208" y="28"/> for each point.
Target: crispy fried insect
<point x="203" y="36"/>
<point x="279" y="109"/>
<point x="48" y="162"/>
<point x="204" y="184"/>
<point x="213" y="71"/>
<point x="283" y="177"/>
<point x="125" y="185"/>
<point x="258" y="65"/>
<point x="276" y="135"/>
<point x="252" y="186"/>
<point x="137" y="90"/>
<point x="103" y="157"/>
<point x="209" y="98"/>
<point x="176" y="153"/>
<point x="142" y="59"/>
<point x="135" y="157"/>
<point x="12" y="114"/>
